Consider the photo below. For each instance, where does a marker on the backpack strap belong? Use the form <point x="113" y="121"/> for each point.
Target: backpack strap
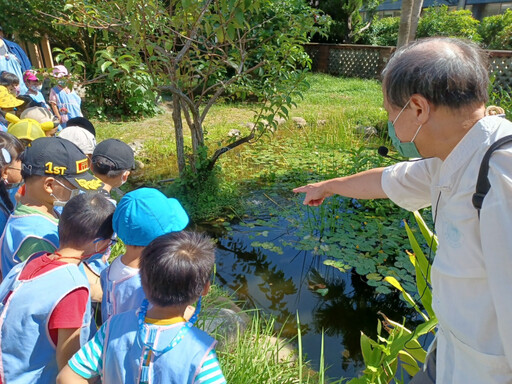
<point x="482" y="183"/>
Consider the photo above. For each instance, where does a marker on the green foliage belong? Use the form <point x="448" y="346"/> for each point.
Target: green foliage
<point x="435" y="21"/>
<point x="253" y="357"/>
<point x="381" y="357"/>
<point x="496" y="31"/>
<point x="440" y="21"/>
<point x="203" y="193"/>
<point x="118" y="84"/>
<point x="123" y="86"/>
<point x="346" y="19"/>
<point x="383" y="32"/>
<point x="502" y="97"/>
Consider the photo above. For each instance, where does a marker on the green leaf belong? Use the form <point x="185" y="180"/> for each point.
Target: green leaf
<point x="105" y="65"/>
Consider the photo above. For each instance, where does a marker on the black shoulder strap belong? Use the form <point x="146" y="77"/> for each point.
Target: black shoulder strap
<point x="482" y="183"/>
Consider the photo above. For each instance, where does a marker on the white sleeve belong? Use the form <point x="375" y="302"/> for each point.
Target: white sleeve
<point x="496" y="238"/>
<point x="407" y="184"/>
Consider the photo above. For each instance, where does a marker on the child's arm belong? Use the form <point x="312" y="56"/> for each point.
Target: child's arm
<point x="210" y="371"/>
<point x="67" y="345"/>
<point x="52" y="99"/>
<point x="86" y="363"/>
<point x="68" y="376"/>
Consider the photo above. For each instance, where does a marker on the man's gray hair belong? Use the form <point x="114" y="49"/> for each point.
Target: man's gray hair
<point x="446" y="71"/>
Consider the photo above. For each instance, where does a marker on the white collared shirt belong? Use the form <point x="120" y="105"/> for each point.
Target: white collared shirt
<point x="472" y="270"/>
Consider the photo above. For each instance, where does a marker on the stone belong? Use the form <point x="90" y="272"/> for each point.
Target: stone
<point x="280" y="120"/>
<point x="299" y="122"/>
<point x="249" y="125"/>
<point x="137" y="146"/>
<point x="366" y="131"/>
<point x="285" y="352"/>
<point x="139" y="164"/>
<point x="234" y="133"/>
<point x="224" y="320"/>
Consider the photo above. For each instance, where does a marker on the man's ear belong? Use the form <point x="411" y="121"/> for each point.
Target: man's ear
<point x="421" y="108"/>
<point x="206" y="289"/>
<point x="48" y="184"/>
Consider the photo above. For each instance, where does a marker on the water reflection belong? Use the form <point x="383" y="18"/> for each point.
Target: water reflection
<point x="339" y="304"/>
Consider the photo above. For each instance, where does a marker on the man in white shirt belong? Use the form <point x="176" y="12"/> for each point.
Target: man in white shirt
<point x="435" y="92"/>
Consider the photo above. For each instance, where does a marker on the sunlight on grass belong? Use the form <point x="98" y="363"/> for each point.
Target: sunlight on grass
<point x="333" y="108"/>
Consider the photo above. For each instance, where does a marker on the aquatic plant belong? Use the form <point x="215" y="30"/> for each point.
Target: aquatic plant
<point x="382" y="357"/>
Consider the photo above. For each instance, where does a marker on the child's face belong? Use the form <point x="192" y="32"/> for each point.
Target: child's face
<point x="34" y="85"/>
<point x="14" y="89"/>
<point x="14" y="172"/>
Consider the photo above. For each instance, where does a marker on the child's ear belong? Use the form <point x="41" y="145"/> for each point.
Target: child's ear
<point x="48" y="184"/>
<point x="4" y="173"/>
<point x="206" y="289"/>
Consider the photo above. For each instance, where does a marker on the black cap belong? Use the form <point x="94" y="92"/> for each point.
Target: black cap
<point x="117" y="152"/>
<point x="54" y="156"/>
<point x="81" y="122"/>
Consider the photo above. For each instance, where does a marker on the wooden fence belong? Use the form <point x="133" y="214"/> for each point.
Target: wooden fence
<point x="368" y="61"/>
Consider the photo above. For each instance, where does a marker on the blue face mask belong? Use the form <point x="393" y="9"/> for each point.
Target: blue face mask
<point x="407" y="149"/>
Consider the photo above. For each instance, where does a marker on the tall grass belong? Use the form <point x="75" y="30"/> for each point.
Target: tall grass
<point x="255" y="357"/>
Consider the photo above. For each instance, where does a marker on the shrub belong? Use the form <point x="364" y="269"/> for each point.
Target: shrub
<point x="439" y="21"/>
<point x="383" y="31"/>
<point x="117" y="84"/>
<point x="124" y="87"/>
<point x="496" y="31"/>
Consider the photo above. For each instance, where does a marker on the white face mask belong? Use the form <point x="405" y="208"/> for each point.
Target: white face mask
<point x="35" y="88"/>
<point x="62" y="203"/>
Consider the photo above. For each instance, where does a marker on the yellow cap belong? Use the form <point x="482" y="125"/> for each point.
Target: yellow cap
<point x="27" y="129"/>
<point x="7" y="100"/>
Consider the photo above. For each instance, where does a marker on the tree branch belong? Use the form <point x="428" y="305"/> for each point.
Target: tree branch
<point x="220" y="151"/>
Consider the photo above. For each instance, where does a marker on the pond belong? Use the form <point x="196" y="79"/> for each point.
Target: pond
<point x="261" y="266"/>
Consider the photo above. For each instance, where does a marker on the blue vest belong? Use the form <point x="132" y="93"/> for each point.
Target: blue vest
<point x="11" y="63"/>
<point x="71" y="101"/>
<point x="20" y="54"/>
<point x="123" y="353"/>
<point x="120" y="296"/>
<point x="28" y="354"/>
<point x="21" y="227"/>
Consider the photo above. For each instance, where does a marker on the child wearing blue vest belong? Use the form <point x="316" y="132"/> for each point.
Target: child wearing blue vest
<point x="155" y="344"/>
<point x="54" y="170"/>
<point x="45" y="303"/>
<point x="65" y="102"/>
<point x="11" y="150"/>
<point x="34" y="88"/>
<point x="141" y="216"/>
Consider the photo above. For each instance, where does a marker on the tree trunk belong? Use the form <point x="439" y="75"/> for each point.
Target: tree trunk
<point x="178" y="130"/>
<point x="405" y="23"/>
<point x="415" y="18"/>
<point x="196" y="131"/>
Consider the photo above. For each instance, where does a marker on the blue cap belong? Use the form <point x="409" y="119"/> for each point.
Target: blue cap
<point x="146" y="213"/>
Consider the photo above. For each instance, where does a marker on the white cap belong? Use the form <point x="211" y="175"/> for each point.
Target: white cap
<point x="81" y="137"/>
<point x="39" y="114"/>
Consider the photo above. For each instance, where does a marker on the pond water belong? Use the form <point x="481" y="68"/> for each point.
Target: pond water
<point x="286" y="281"/>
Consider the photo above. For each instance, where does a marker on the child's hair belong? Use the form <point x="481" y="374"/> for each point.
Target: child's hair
<point x="175" y="268"/>
<point x="103" y="166"/>
<point x="15" y="149"/>
<point x="8" y="78"/>
<point x="12" y="144"/>
<point x="86" y="217"/>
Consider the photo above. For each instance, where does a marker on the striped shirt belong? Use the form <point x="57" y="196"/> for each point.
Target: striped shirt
<point x="88" y="362"/>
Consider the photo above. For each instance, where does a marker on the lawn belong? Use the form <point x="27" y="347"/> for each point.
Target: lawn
<point x="332" y="107"/>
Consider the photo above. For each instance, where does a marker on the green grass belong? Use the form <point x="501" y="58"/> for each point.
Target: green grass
<point x="261" y="354"/>
<point x="342" y="103"/>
